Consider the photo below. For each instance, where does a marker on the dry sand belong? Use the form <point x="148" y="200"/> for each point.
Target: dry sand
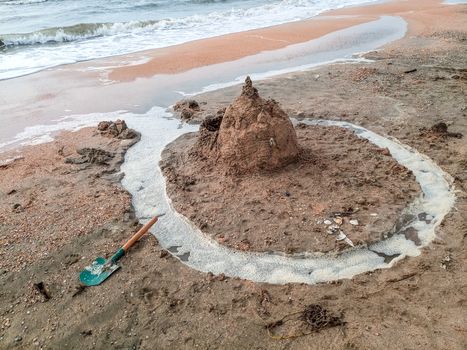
<point x="155" y="302"/>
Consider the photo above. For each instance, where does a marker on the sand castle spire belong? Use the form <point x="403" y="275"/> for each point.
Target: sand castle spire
<point x="248" y="89"/>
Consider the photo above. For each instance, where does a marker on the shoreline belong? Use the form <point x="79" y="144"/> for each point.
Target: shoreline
<point x="205" y="52"/>
<point x="81" y="90"/>
<point x="87" y="87"/>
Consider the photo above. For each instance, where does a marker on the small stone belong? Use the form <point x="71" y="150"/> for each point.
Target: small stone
<point x="18" y="338"/>
<point x="333" y="229"/>
<point x="210" y="276"/>
<point x="385" y="152"/>
<point x="343" y="237"/>
<point x="18" y="208"/>
<point x="327" y="222"/>
<point x="338" y="220"/>
<point x="373" y="214"/>
<point x="353" y="222"/>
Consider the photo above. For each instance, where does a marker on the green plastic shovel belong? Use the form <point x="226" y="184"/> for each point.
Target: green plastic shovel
<point x="102" y="268"/>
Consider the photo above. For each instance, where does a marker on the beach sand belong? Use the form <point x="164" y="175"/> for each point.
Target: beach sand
<point x="156" y="302"/>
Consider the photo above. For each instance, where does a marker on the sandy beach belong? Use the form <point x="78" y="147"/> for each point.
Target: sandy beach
<point x="62" y="203"/>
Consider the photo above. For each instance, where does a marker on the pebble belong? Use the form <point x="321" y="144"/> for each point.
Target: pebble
<point x="353" y="222"/>
<point x="18" y="338"/>
<point x="338" y="220"/>
<point x="327" y="222"/>
<point x="333" y="229"/>
<point x="373" y="214"/>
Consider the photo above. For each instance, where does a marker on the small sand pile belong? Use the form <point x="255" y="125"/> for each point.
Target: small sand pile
<point x="439" y="131"/>
<point x="187" y="109"/>
<point x="117" y="129"/>
<point x="253" y="134"/>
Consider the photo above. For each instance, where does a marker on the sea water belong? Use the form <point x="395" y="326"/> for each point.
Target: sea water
<point x="37" y="34"/>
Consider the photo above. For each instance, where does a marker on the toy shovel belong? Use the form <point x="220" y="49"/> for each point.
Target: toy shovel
<point x="102" y="268"/>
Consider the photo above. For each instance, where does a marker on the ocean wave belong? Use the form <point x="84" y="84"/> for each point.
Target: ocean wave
<point x="205" y="1"/>
<point x="24" y="53"/>
<point x="211" y="23"/>
<point x="76" y="32"/>
<point x="23" y="2"/>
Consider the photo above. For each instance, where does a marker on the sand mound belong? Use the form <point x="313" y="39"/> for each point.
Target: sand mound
<point x="253" y="134"/>
<point x="335" y="186"/>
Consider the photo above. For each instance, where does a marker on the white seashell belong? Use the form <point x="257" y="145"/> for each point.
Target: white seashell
<point x="353" y="222"/>
<point x="341" y="236"/>
<point x="348" y="241"/>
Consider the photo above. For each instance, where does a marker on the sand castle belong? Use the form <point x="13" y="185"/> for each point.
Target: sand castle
<point x="251" y="135"/>
<point x="256" y="134"/>
<point x="275" y="186"/>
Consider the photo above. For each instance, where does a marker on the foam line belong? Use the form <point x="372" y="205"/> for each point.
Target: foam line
<point x="192" y="247"/>
<point x="181" y="238"/>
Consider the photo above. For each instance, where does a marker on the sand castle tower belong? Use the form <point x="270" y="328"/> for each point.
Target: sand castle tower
<point x="255" y="134"/>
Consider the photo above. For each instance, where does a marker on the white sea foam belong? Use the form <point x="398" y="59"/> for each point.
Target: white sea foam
<point x="23" y="2"/>
<point x="455" y="2"/>
<point x="42" y="133"/>
<point x="177" y="234"/>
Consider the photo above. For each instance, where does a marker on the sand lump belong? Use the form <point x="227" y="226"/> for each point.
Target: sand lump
<point x="117" y="129"/>
<point x="439" y="130"/>
<point x="187" y="109"/>
<point x="253" y="134"/>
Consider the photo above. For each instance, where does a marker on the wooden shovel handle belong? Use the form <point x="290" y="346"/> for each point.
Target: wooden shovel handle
<point x="140" y="233"/>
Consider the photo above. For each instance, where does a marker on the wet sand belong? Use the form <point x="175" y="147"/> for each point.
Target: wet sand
<point x="155" y="301"/>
